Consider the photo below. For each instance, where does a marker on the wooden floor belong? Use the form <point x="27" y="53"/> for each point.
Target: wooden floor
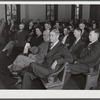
<point x="7" y="81"/>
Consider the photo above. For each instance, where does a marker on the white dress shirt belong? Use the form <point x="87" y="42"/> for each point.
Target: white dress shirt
<point x="54" y="44"/>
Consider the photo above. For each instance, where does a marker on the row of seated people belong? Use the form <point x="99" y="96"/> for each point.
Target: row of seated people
<point x="49" y="61"/>
<point x="34" y="35"/>
<point x="11" y="27"/>
<point x="59" y="54"/>
<point x="81" y="40"/>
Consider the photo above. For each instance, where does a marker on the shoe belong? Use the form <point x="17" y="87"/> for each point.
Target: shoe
<point x="19" y="81"/>
<point x="4" y="50"/>
<point x="15" y="74"/>
<point x="19" y="86"/>
<point x="10" y="68"/>
<point x="8" y="55"/>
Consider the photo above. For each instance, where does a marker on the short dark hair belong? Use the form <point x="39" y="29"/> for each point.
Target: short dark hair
<point x="78" y="29"/>
<point x="97" y="31"/>
<point x="56" y="31"/>
<point x="66" y="28"/>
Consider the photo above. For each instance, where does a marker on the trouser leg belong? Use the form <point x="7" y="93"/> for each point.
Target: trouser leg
<point x="67" y="77"/>
<point x="27" y="80"/>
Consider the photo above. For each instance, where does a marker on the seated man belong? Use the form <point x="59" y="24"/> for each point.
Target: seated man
<point x="57" y="55"/>
<point x="19" y="40"/>
<point x="78" y="45"/>
<point x="89" y="56"/>
<point x="68" y="38"/>
<point x="85" y="34"/>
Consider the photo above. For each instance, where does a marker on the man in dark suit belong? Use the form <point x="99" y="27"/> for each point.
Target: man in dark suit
<point x="68" y="38"/>
<point x="19" y="40"/>
<point x="78" y="45"/>
<point x="85" y="34"/>
<point x="89" y="56"/>
<point x="58" y="54"/>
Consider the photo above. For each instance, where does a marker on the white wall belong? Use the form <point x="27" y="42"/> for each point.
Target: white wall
<point x="2" y="11"/>
<point x="39" y="11"/>
<point x="22" y="8"/>
<point x="86" y="12"/>
<point x="64" y="12"/>
<point x="33" y="12"/>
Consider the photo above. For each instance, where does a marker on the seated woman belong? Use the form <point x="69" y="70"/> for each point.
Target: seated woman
<point x="35" y="40"/>
<point x="37" y="55"/>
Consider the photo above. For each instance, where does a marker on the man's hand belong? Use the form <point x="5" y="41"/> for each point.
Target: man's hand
<point x="16" y="41"/>
<point x="75" y="62"/>
<point x="54" y="65"/>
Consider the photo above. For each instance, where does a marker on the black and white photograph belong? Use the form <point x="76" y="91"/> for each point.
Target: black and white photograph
<point x="46" y="46"/>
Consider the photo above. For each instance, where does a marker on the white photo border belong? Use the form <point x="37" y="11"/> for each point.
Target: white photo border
<point x="55" y="94"/>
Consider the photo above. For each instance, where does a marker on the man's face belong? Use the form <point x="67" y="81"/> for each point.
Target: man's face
<point x="21" y="26"/>
<point x="30" y="23"/>
<point x="65" y="31"/>
<point x="81" y="26"/>
<point x="94" y="26"/>
<point x="53" y="37"/>
<point x="46" y="26"/>
<point x="93" y="36"/>
<point x="57" y="25"/>
<point x="77" y="34"/>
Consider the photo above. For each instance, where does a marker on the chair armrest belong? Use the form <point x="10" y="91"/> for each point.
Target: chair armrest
<point x="92" y="72"/>
<point x="51" y="77"/>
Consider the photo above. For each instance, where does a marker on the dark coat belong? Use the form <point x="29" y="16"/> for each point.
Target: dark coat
<point x="88" y="59"/>
<point x="21" y="38"/>
<point x="90" y="55"/>
<point x="59" y="53"/>
<point x="36" y="41"/>
<point x="77" y="49"/>
<point x="70" y="40"/>
<point x="85" y="37"/>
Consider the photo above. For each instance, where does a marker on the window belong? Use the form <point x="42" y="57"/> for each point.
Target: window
<point x="51" y="12"/>
<point x="12" y="12"/>
<point x="77" y="11"/>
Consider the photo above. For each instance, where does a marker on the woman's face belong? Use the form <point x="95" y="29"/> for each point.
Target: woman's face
<point x="38" y="32"/>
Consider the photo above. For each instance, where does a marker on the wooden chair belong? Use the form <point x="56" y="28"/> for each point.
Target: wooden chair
<point x="55" y="82"/>
<point x="92" y="77"/>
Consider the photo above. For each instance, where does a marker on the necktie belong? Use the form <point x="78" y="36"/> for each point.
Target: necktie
<point x="49" y="47"/>
<point x="89" y="46"/>
<point x="72" y="46"/>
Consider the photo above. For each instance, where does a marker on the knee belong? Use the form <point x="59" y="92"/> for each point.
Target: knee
<point x="20" y="56"/>
<point x="32" y="64"/>
<point x="32" y="67"/>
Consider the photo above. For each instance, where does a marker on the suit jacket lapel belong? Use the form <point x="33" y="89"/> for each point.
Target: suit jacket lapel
<point x="67" y="39"/>
<point x="53" y="50"/>
<point x="94" y="44"/>
<point x="76" y="45"/>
